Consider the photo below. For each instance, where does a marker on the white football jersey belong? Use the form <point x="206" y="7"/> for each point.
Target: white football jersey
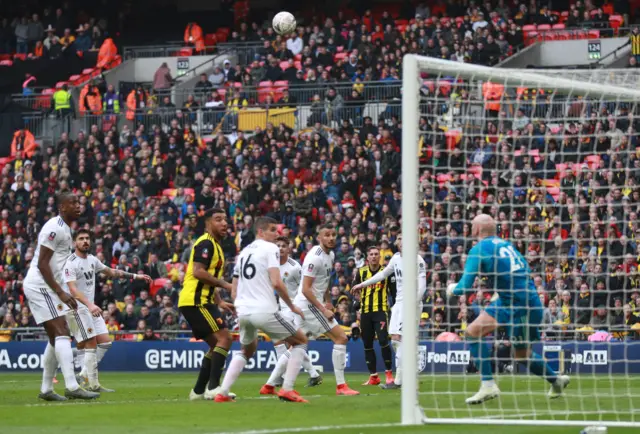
<point x="395" y="267"/>
<point x="83" y="272"/>
<point x="317" y="264"/>
<point x="291" y="274"/>
<point x="55" y="235"/>
<point x="255" y="292"/>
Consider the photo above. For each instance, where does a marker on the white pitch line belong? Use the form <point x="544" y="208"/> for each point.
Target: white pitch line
<point x="143" y="401"/>
<point x="313" y="428"/>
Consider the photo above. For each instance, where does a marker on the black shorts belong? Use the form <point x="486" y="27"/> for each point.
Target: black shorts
<point x="204" y="320"/>
<point x="374" y="324"/>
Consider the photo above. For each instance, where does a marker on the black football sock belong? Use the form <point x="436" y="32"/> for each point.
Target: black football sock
<point x="387" y="356"/>
<point x="218" y="360"/>
<point x="370" y="358"/>
<point x="203" y="375"/>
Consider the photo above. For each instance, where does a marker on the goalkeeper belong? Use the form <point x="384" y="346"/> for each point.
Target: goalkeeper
<point x="515" y="305"/>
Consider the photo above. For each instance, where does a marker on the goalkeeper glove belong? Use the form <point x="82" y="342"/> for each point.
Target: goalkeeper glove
<point x="451" y="290"/>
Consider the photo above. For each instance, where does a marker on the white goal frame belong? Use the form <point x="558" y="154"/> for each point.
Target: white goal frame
<point x="413" y="65"/>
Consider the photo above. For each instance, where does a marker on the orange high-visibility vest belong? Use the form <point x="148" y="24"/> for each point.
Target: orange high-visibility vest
<point x="492" y="93"/>
<point x="29" y="144"/>
<point x="108" y="52"/>
<point x="193" y="35"/>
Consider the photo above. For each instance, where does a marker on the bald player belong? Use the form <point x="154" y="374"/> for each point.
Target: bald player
<point x="515" y="306"/>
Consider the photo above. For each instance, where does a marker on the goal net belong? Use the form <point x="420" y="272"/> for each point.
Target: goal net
<point x="555" y="161"/>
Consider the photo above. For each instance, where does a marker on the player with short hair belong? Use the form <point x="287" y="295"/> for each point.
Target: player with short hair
<point x="49" y="303"/>
<point x="394" y="267"/>
<point x="291" y="275"/>
<point x="314" y="299"/>
<point x="374" y="319"/>
<point x="515" y="305"/>
<point x="200" y="303"/>
<point x="80" y="271"/>
<point x="255" y="276"/>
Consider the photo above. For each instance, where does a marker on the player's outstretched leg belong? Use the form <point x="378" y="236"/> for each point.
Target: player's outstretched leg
<point x="541" y="368"/>
<point x="298" y="351"/>
<point x="339" y="358"/>
<point x="481" y="353"/>
<point x="238" y="362"/>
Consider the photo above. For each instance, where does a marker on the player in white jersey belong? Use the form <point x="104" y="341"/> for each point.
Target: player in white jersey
<point x="314" y="299"/>
<point x="49" y="303"/>
<point x="80" y="271"/>
<point x="291" y="274"/>
<point x="255" y="276"/>
<point x="395" y="327"/>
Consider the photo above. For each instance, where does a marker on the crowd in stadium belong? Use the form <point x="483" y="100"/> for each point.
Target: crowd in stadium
<point x="143" y="186"/>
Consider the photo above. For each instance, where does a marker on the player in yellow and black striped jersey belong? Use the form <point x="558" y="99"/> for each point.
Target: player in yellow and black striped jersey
<point x="200" y="303"/>
<point x="634" y="40"/>
<point x="374" y="307"/>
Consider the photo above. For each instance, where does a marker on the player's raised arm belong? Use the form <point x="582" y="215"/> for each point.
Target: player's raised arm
<point x="379" y="276"/>
<point x="114" y="272"/>
<point x="44" y="265"/>
<point x="471" y="268"/>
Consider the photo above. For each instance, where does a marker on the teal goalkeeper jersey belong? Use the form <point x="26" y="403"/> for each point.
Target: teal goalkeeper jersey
<point x="506" y="270"/>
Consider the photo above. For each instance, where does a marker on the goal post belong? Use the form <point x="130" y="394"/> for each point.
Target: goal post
<point x="451" y="94"/>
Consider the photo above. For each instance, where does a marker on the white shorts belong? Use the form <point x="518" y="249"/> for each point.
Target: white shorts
<point x="99" y="326"/>
<point x="397" y="318"/>
<point x="286" y="313"/>
<point x="395" y="325"/>
<point x="81" y="324"/>
<point x="45" y="304"/>
<point x="314" y="323"/>
<point x="272" y="324"/>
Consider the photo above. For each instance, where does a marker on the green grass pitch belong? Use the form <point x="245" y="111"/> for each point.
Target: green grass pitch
<point x="157" y="403"/>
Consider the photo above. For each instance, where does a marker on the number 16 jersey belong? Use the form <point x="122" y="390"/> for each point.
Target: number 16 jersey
<point x="255" y="292"/>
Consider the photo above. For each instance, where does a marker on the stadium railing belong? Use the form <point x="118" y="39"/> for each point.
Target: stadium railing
<point x="245" y="50"/>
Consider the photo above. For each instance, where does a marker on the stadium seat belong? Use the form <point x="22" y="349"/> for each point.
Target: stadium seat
<point x="188" y="51"/>
<point x="210" y="40"/>
<point x="476" y="170"/>
<point x="558" y="26"/>
<point x="265" y="83"/>
<point x="340" y="56"/>
<point x="6" y="62"/>
<point x="544" y="27"/>
<point x="223" y="94"/>
<point x="339" y="48"/>
<point x="169" y="192"/>
<point x="529" y="28"/>
<point x="157" y="285"/>
<point x="60" y="84"/>
<point x="48" y="91"/>
<point x="593" y="161"/>
<point x="593" y="34"/>
<point x="535" y="154"/>
<point x="20" y="57"/>
<point x="401" y="22"/>
<point x="221" y="36"/>
<point x="561" y="170"/>
<point x="281" y="83"/>
<point x="263" y="92"/>
<point x="554" y="192"/>
<point x="284" y="65"/>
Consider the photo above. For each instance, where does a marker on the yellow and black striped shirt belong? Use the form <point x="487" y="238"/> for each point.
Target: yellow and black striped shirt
<point x="375" y="298"/>
<point x="208" y="252"/>
<point x="635" y="44"/>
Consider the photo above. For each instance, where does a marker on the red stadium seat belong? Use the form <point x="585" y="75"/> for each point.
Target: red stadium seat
<point x="184" y="52"/>
<point x="593" y="161"/>
<point x="60" y="84"/>
<point x="529" y="28"/>
<point x="616" y="21"/>
<point x="281" y="83"/>
<point x="221" y="36"/>
<point x="157" y="285"/>
<point x="210" y="40"/>
<point x="265" y="83"/>
<point x="284" y="65"/>
<point x="593" y="34"/>
<point x="558" y="26"/>
<point x="544" y="27"/>
<point x="263" y="92"/>
<point x="6" y="62"/>
<point x="169" y="192"/>
<point x="561" y="169"/>
<point x="340" y="56"/>
<point x="20" y="57"/>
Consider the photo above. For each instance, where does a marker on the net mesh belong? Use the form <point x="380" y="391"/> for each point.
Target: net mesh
<point x="558" y="169"/>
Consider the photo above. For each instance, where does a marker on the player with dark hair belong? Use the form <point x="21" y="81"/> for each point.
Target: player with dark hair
<point x="200" y="303"/>
<point x="314" y="299"/>
<point x="50" y="304"/>
<point x="374" y="316"/>
<point x="80" y="273"/>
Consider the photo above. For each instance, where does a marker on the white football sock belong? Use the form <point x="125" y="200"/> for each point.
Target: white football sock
<point x="91" y="365"/>
<point x="233" y="372"/>
<point x="339" y="359"/>
<point x="280" y="350"/>
<point x="293" y="367"/>
<point x="102" y="350"/>
<point x="488" y="383"/>
<point x="65" y="359"/>
<point x="279" y="370"/>
<point x="50" y="366"/>
<point x="308" y="366"/>
<point x="397" y="348"/>
<point x="79" y="361"/>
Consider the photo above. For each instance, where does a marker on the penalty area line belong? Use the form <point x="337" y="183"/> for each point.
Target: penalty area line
<point x="313" y="428"/>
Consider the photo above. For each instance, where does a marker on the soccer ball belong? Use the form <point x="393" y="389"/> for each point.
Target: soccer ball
<point x="284" y="23"/>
